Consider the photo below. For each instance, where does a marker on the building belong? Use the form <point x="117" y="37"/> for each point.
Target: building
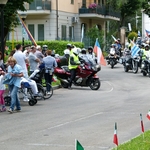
<point x="64" y="19"/>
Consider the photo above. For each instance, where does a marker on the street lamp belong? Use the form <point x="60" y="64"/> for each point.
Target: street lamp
<point x="2" y="4"/>
<point x="23" y="17"/>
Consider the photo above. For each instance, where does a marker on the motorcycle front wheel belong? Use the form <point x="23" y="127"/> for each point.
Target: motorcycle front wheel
<point x="95" y="84"/>
<point x="126" y="68"/>
<point x="135" y="69"/>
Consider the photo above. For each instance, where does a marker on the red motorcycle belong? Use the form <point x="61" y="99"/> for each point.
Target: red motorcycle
<point x="86" y="75"/>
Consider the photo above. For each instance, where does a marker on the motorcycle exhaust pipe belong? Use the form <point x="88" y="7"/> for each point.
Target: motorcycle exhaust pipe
<point x="64" y="80"/>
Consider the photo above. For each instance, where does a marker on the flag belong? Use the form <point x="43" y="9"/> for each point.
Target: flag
<point x="139" y="33"/>
<point x="142" y="126"/>
<point x="78" y="146"/>
<point x="99" y="54"/>
<point x="115" y="140"/>
<point x="148" y="115"/>
<point x="114" y="38"/>
<point x="82" y="32"/>
<point x="26" y="31"/>
<point x="134" y="50"/>
<point x="147" y="32"/>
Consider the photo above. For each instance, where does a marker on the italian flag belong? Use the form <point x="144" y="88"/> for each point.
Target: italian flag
<point x="142" y="126"/>
<point x="115" y="140"/>
<point x="148" y="115"/>
<point x="78" y="146"/>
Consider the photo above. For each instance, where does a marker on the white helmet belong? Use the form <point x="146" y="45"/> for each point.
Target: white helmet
<point x="79" y="50"/>
<point x="76" y="51"/>
<point x="67" y="51"/>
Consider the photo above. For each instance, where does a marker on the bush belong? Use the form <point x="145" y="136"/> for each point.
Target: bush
<point x="58" y="46"/>
<point x="132" y="36"/>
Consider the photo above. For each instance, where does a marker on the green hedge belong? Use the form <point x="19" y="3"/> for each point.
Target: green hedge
<point x="132" y="36"/>
<point x="58" y="46"/>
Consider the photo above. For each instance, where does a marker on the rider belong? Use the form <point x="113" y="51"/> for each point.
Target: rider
<point x="73" y="64"/>
<point x="68" y="50"/>
<point x="91" y="54"/>
<point x="118" y="46"/>
<point x="145" y="55"/>
<point x="44" y="49"/>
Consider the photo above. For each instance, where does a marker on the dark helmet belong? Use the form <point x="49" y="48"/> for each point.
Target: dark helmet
<point x="90" y="48"/>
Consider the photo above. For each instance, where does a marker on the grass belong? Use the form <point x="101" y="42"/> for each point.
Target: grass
<point x="141" y="142"/>
<point x="57" y="82"/>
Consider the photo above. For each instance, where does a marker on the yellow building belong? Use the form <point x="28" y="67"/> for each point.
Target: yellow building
<point x="64" y="19"/>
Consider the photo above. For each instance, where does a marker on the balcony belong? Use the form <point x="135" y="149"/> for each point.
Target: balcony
<point x="38" y="7"/>
<point x="99" y="12"/>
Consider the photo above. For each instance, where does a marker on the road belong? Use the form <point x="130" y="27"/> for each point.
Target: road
<point x="82" y="114"/>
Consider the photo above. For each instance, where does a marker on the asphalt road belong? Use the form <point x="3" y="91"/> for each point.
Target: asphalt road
<point x="82" y="114"/>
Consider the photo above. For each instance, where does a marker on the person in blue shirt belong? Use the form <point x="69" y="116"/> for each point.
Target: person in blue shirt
<point x="49" y="63"/>
<point x="13" y="79"/>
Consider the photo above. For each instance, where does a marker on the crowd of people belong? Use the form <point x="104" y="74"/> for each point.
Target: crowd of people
<point x="22" y="64"/>
<point x="16" y="71"/>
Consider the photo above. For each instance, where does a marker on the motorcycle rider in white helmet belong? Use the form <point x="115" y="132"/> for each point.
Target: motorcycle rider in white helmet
<point x="73" y="65"/>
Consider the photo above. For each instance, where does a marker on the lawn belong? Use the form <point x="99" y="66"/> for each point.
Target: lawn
<point x="141" y="142"/>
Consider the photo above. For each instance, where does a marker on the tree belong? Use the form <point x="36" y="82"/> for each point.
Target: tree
<point x="127" y="8"/>
<point x="146" y="7"/>
<point x="94" y="33"/>
<point x="10" y="14"/>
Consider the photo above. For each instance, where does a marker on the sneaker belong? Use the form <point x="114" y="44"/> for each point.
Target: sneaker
<point x="10" y="110"/>
<point x="25" y="99"/>
<point x="3" y="109"/>
<point x="49" y="93"/>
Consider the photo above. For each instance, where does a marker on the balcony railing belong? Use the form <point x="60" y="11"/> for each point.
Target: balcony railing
<point x="101" y="10"/>
<point x="40" y="5"/>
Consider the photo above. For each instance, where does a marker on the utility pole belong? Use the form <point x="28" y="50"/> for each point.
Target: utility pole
<point x="57" y="37"/>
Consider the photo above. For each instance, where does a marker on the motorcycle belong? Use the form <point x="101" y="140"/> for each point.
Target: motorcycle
<point x="131" y="62"/>
<point x="145" y="67"/>
<point x="112" y="60"/>
<point x="86" y="75"/>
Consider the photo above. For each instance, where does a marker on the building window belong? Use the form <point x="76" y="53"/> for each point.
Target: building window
<point x="94" y="1"/>
<point x="40" y="32"/>
<point x="31" y="29"/>
<point x="72" y="1"/>
<point x="71" y="33"/>
<point x="63" y="32"/>
<point x="83" y="3"/>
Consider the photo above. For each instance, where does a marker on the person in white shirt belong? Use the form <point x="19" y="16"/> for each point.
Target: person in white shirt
<point x="22" y="60"/>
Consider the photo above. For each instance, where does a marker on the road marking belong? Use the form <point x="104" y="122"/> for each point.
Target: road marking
<point x="110" y="86"/>
<point x="82" y="118"/>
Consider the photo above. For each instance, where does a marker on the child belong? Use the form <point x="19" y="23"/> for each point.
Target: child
<point x="2" y="89"/>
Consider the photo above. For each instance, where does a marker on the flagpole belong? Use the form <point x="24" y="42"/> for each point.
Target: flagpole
<point x="142" y="126"/>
